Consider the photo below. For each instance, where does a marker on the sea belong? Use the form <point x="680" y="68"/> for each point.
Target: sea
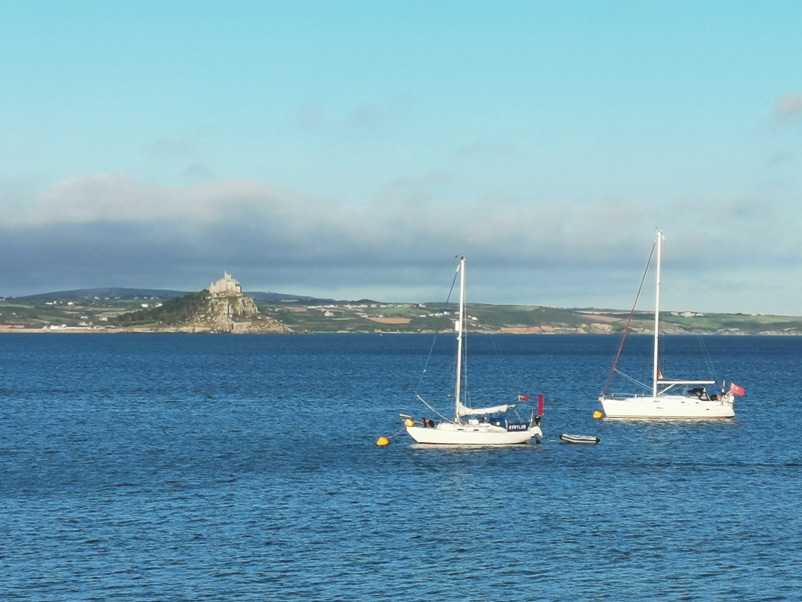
<point x="172" y="467"/>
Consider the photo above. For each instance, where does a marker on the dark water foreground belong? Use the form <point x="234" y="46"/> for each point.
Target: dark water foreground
<point x="171" y="467"/>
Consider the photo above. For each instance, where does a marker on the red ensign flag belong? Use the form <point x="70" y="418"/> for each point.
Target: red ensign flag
<point x="736" y="390"/>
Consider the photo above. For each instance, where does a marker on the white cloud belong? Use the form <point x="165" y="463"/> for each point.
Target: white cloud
<point x="111" y="230"/>
<point x="116" y="197"/>
<point x="789" y="107"/>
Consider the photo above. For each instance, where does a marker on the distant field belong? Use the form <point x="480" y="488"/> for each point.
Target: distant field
<point x="515" y="318"/>
<point x="96" y="313"/>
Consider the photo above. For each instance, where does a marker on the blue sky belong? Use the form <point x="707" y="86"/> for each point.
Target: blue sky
<point x="353" y="149"/>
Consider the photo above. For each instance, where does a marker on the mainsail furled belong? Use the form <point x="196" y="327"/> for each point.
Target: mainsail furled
<point x="463" y="410"/>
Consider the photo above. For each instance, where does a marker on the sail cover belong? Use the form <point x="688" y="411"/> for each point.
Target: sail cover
<point x="464" y="410"/>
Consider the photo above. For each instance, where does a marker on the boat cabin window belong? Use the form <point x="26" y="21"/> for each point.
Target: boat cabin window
<point x="698" y="392"/>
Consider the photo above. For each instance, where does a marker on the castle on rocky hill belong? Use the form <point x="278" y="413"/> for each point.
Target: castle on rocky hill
<point x="226" y="287"/>
<point x="229" y="310"/>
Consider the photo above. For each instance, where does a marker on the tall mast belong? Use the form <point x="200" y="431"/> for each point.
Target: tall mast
<point x="658" y="282"/>
<point x="460" y="328"/>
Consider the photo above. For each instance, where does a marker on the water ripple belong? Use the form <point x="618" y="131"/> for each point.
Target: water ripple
<point x="205" y="468"/>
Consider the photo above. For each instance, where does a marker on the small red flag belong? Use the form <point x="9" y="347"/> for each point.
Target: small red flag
<point x="523" y="398"/>
<point x="736" y="390"/>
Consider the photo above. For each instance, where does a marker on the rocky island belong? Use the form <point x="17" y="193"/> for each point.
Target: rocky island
<point x="222" y="308"/>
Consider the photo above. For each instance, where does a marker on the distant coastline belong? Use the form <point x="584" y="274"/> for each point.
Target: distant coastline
<point x="98" y="311"/>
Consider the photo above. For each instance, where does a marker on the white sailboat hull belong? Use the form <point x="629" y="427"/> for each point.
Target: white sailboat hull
<point x="667" y="407"/>
<point x="447" y="433"/>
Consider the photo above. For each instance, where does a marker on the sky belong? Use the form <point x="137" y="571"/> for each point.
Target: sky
<point x="352" y="149"/>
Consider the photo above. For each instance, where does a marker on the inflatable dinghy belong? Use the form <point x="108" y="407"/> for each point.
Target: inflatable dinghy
<point x="579" y="438"/>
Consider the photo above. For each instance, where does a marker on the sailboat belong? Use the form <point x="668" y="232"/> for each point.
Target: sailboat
<point x="487" y="426"/>
<point x="669" y="399"/>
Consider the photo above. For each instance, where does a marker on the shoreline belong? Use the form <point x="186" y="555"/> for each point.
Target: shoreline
<point x="504" y="332"/>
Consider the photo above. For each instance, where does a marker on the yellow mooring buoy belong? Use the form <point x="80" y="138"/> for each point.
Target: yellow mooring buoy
<point x="597" y="414"/>
<point x="382" y="441"/>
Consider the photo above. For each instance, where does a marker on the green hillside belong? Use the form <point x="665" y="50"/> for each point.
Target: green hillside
<point x="97" y="313"/>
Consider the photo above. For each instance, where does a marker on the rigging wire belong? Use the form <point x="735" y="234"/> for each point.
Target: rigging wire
<point x="633" y="380"/>
<point x="707" y="357"/>
<point x="428" y="405"/>
<point x="514" y="383"/>
<point x="431" y="351"/>
<point x="614" y="369"/>
<point x="466" y="390"/>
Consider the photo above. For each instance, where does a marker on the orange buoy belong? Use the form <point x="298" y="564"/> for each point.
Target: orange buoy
<point x="597" y="414"/>
<point x="382" y="441"/>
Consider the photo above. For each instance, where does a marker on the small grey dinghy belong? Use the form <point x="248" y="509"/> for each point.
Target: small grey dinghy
<point x="586" y="439"/>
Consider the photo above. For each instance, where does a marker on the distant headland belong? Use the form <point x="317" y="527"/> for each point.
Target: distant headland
<point x="225" y="308"/>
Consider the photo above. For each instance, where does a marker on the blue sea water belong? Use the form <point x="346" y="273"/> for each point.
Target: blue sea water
<point x="197" y="467"/>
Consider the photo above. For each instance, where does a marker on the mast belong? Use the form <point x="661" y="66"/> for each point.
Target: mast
<point x="655" y="367"/>
<point x="460" y="328"/>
